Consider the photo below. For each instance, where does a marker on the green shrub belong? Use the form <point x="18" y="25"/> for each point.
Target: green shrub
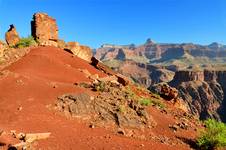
<point x="148" y="102"/>
<point x="130" y="92"/>
<point x="26" y="42"/>
<point x="122" y="108"/>
<point x="145" y="102"/>
<point x="214" y="136"/>
<point x="100" y="86"/>
<point x="158" y="104"/>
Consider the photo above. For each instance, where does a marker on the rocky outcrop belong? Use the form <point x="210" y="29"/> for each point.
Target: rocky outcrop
<point x="81" y="51"/>
<point x="44" y="29"/>
<point x="99" y="65"/>
<point x="11" y="36"/>
<point x="203" y="91"/>
<point x="104" y="109"/>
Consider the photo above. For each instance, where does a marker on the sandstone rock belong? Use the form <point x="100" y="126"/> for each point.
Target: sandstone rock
<point x="27" y="139"/>
<point x="44" y="29"/>
<point x="165" y="91"/>
<point x="11" y="36"/>
<point x="81" y="51"/>
<point x="122" y="79"/>
<point x="61" y="44"/>
<point x="99" y="65"/>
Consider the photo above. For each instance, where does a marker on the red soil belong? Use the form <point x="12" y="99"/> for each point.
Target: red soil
<point x="36" y="80"/>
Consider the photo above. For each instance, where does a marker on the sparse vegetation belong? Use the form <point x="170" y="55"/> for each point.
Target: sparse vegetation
<point x="145" y="102"/>
<point x="100" y="86"/>
<point x="158" y="104"/>
<point x="25" y="42"/>
<point x="130" y="92"/>
<point x="214" y="136"/>
<point x="148" y="102"/>
<point x="122" y="108"/>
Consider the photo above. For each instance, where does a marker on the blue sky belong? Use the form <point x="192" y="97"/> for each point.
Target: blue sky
<point x="95" y="22"/>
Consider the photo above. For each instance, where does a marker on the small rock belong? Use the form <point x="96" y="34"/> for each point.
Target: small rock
<point x="121" y="131"/>
<point x="174" y="127"/>
<point x="92" y="126"/>
<point x="20" y="108"/>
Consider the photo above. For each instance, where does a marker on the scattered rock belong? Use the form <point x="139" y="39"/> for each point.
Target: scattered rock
<point x="20" y="108"/>
<point x="121" y="131"/>
<point x="11" y="36"/>
<point x="174" y="127"/>
<point x="110" y="106"/>
<point x="92" y="126"/>
<point x="27" y="139"/>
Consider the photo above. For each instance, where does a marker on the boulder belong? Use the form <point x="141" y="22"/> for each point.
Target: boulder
<point x="81" y="51"/>
<point x="11" y="36"/>
<point x="99" y="65"/>
<point x="44" y="29"/>
<point x="165" y="91"/>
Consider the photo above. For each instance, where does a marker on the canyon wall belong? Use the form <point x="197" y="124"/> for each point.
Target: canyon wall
<point x="203" y="91"/>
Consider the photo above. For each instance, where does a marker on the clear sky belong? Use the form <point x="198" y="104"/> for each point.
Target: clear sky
<point x="95" y="22"/>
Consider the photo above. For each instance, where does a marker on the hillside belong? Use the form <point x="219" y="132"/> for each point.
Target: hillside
<point x="31" y="86"/>
<point x="55" y="95"/>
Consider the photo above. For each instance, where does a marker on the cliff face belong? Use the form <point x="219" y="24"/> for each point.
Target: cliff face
<point x="203" y="91"/>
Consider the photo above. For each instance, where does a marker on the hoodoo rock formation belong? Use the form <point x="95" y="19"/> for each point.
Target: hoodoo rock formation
<point x="11" y="36"/>
<point x="44" y="29"/>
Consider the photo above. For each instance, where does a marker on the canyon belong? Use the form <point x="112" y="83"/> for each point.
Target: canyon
<point x="56" y="95"/>
<point x="197" y="71"/>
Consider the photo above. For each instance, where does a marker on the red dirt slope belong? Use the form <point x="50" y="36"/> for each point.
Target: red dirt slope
<point x="31" y="84"/>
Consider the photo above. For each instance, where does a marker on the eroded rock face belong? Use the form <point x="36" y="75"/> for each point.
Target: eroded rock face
<point x="81" y="51"/>
<point x="203" y="91"/>
<point x="11" y="36"/>
<point x="44" y="29"/>
<point x="185" y="76"/>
